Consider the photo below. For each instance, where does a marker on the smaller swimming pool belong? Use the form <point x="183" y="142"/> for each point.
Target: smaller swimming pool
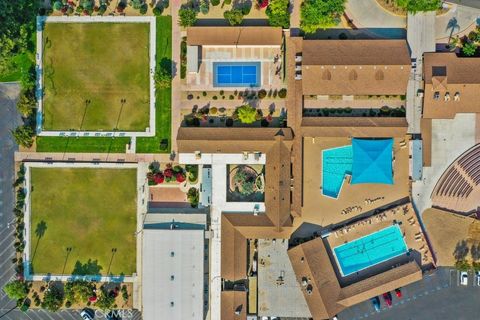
<point x="336" y="163"/>
<point x="236" y="74"/>
<point x="370" y="250"/>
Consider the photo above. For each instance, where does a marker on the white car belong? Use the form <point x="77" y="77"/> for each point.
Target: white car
<point x="464" y="278"/>
<point x="478" y="278"/>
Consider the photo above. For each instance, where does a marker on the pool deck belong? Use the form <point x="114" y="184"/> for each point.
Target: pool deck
<point x="410" y="227"/>
<point x="203" y="79"/>
<point x="325" y="211"/>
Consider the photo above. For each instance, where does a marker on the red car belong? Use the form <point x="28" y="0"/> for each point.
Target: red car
<point x="387" y="296"/>
<point x="398" y="293"/>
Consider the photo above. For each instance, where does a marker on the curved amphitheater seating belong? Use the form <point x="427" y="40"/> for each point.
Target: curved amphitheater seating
<point x="459" y="186"/>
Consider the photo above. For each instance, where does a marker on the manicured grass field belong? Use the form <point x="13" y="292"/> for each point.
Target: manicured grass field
<point x="88" y="210"/>
<point x="100" y="62"/>
<point x="162" y="117"/>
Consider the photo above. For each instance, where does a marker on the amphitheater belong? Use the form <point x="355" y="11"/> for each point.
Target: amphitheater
<point x="458" y="189"/>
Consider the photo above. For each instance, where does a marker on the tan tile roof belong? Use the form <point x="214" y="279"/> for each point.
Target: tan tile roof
<point x="317" y="268"/>
<point x="229" y="140"/>
<point x="447" y="73"/>
<point x="231" y="36"/>
<point x="234" y="252"/>
<point x="327" y="297"/>
<point x="383" y="282"/>
<point x="353" y="127"/>
<point x="355" y="52"/>
<point x="426" y="130"/>
<point x="355" y="67"/>
<point x="233" y="301"/>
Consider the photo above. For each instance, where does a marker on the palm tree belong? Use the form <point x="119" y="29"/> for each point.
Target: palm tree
<point x="452" y="25"/>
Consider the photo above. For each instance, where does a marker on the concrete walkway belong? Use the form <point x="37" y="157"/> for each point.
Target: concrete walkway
<point x="368" y="14"/>
<point x="460" y="18"/>
<point x="176" y="81"/>
<point x="92" y="157"/>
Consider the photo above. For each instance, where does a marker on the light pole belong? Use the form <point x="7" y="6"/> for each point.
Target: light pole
<point x="69" y="249"/>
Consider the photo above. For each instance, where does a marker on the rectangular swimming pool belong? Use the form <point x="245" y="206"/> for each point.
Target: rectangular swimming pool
<point x="370" y="250"/>
<point x="236" y="74"/>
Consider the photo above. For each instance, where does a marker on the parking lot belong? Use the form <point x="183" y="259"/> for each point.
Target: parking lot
<point x="438" y="296"/>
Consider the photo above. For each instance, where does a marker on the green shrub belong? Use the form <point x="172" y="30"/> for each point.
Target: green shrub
<point x="215" y="2"/>
<point x="246" y="114"/>
<point x="469" y="49"/>
<point x="278" y="13"/>
<point x="53" y="299"/>
<point x="282" y="93"/>
<point x="320" y="14"/>
<point x="193" y="197"/>
<point x="187" y="17"/>
<point x="234" y="16"/>
<point x="262" y="93"/>
<point x="157" y="11"/>
<point x="16" y="289"/>
<point x="414" y="6"/>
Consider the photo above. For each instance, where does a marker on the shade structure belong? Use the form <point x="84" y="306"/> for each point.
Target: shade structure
<point x="372" y="161"/>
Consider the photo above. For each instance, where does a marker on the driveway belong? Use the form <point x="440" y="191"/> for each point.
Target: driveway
<point x="437" y="296"/>
<point x="461" y="19"/>
<point x="368" y="14"/>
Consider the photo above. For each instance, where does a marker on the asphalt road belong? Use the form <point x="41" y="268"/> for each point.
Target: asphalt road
<point x="9" y="119"/>
<point x="437" y="296"/>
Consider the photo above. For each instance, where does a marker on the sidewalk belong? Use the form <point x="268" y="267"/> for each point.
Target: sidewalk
<point x="92" y="157"/>
<point x="176" y="81"/>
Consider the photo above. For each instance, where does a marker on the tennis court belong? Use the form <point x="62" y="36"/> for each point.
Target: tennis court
<point x="236" y="74"/>
<point x="370" y="250"/>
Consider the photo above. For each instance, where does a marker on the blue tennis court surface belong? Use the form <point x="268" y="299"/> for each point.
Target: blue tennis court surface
<point x="236" y="74"/>
<point x="370" y="250"/>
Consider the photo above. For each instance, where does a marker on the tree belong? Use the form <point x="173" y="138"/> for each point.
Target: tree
<point x="57" y="5"/>
<point x="414" y="6"/>
<point x="163" y="76"/>
<point x="26" y="103"/>
<point x="187" y="16"/>
<point x="246" y="114"/>
<point x="78" y="291"/>
<point x="16" y="289"/>
<point x="193" y="197"/>
<point x="278" y="14"/>
<point x="158" y="10"/>
<point x="234" y="16"/>
<point x="53" y="299"/>
<point x="23" y="136"/>
<point x="106" y="300"/>
<point x="320" y="14"/>
<point x="469" y="49"/>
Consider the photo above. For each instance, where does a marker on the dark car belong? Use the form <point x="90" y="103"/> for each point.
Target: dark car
<point x="387" y="296"/>
<point x="376" y="303"/>
<point x="87" y="314"/>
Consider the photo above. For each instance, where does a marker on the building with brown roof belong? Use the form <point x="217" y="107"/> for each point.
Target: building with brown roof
<point x="321" y="287"/>
<point x="355" y="67"/>
<point x="452" y="85"/>
<point x="234" y="36"/>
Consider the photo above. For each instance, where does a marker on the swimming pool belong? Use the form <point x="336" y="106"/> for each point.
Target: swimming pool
<point x="370" y="250"/>
<point x="236" y="74"/>
<point x="336" y="163"/>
